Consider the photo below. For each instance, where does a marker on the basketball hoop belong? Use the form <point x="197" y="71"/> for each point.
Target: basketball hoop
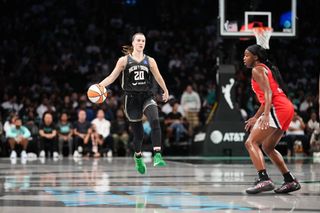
<point x="262" y="35"/>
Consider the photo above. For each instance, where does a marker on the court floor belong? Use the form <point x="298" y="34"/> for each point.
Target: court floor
<point x="185" y="185"/>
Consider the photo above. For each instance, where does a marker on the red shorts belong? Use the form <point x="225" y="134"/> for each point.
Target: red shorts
<point x="282" y="112"/>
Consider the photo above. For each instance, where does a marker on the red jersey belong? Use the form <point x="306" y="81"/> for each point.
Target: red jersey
<point x="282" y="109"/>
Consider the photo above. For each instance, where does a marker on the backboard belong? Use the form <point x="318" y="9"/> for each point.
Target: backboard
<point x="238" y="17"/>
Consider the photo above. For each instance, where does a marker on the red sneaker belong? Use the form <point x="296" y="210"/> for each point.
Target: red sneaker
<point x="261" y="186"/>
<point x="288" y="187"/>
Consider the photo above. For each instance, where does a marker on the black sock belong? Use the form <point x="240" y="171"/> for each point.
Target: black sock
<point x="263" y="175"/>
<point x="288" y="177"/>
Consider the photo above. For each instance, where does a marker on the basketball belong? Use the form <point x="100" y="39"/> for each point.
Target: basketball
<point x="97" y="94"/>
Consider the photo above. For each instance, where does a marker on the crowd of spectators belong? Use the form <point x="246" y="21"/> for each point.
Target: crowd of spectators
<point x="51" y="51"/>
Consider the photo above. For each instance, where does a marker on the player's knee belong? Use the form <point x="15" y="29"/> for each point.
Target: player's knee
<point x="267" y="148"/>
<point x="249" y="144"/>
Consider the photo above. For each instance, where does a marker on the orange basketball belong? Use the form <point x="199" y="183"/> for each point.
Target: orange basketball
<point x="97" y="94"/>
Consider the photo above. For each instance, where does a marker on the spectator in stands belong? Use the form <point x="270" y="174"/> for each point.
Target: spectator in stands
<point x="211" y="97"/>
<point x="110" y="108"/>
<point x="296" y="132"/>
<point x="18" y="134"/>
<point x="66" y="107"/>
<point x="315" y="142"/>
<point x="10" y="104"/>
<point x="312" y="124"/>
<point x="191" y="104"/>
<point x="306" y="104"/>
<point x="119" y="131"/>
<point x="1" y="132"/>
<point x="48" y="137"/>
<point x="167" y="107"/>
<point x="45" y="106"/>
<point x="176" y="124"/>
<point x="2" y="139"/>
<point x="65" y="133"/>
<point x="101" y="131"/>
<point x="32" y="123"/>
<point x="82" y="134"/>
<point x="10" y="122"/>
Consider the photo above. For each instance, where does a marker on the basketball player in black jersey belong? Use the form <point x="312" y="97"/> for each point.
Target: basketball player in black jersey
<point x="137" y="70"/>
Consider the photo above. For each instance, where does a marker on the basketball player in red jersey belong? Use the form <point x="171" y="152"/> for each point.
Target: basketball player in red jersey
<point x="270" y="121"/>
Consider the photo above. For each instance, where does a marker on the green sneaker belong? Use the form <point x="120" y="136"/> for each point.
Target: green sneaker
<point x="140" y="165"/>
<point x="158" y="161"/>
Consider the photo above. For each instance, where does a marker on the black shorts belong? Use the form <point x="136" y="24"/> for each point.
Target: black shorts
<point x="135" y="104"/>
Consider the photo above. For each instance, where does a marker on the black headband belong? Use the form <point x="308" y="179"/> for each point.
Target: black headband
<point x="254" y="49"/>
<point x="258" y="51"/>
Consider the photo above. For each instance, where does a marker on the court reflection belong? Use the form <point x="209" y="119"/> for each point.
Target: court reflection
<point x="16" y="182"/>
<point x="179" y="187"/>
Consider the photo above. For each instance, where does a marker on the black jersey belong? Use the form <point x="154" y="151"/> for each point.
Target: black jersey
<point x="136" y="76"/>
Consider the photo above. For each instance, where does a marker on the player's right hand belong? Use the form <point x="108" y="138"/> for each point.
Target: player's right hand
<point x="100" y="87"/>
<point x="250" y="123"/>
<point x="165" y="96"/>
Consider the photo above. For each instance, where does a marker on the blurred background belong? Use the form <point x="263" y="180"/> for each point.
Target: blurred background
<point x="51" y="51"/>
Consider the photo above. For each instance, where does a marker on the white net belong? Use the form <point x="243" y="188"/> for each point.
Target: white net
<point x="263" y="35"/>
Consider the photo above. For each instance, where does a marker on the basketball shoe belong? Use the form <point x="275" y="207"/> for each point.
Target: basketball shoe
<point x="260" y="186"/>
<point x="158" y="161"/>
<point x="140" y="165"/>
<point x="288" y="187"/>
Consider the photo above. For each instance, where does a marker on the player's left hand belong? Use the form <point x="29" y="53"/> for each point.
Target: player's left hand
<point x="165" y="96"/>
<point x="263" y="122"/>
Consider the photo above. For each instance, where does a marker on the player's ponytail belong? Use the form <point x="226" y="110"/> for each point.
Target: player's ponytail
<point x="128" y="49"/>
<point x="276" y="74"/>
<point x="263" y="58"/>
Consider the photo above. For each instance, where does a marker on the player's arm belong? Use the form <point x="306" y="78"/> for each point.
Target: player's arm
<point x="251" y="121"/>
<point x="258" y="74"/>
<point x="259" y="111"/>
<point x="121" y="63"/>
<point x="156" y="73"/>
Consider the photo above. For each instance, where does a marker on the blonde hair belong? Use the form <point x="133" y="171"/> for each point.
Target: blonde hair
<point x="128" y="49"/>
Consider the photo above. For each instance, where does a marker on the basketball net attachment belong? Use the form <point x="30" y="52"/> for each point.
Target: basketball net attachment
<point x="262" y="35"/>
